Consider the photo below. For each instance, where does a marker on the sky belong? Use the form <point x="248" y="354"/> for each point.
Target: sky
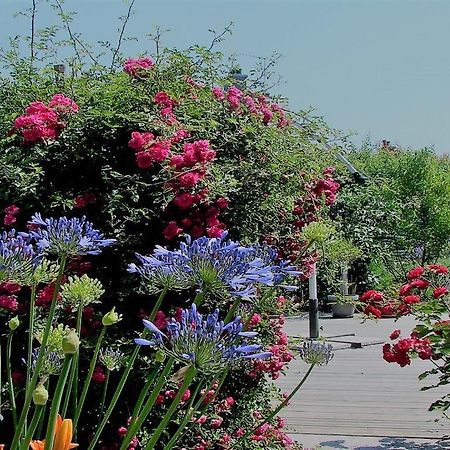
<point x="379" y="68"/>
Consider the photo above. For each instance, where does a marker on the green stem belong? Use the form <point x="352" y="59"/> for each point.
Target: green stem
<point x="232" y="311"/>
<point x="73" y="377"/>
<point x="105" y="390"/>
<point x="125" y="374"/>
<point x="30" y="337"/>
<point x="40" y="358"/>
<point x="202" y="407"/>
<point x="87" y="383"/>
<point x="10" y="382"/>
<point x="280" y="406"/>
<point x="190" y="374"/>
<point x="31" y="332"/>
<point x="32" y="428"/>
<point x="144" y="392"/>
<point x="1" y="384"/>
<point x="190" y="411"/>
<point x="199" y="297"/>
<point x="56" y="402"/>
<point x="140" y="419"/>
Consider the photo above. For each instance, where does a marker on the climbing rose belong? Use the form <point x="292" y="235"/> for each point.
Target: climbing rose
<point x="137" y="67"/>
<point x="439" y="291"/>
<point x="420" y="283"/>
<point x="172" y="230"/>
<point x="411" y="299"/>
<point x="62" y="104"/>
<point x="139" y="140"/>
<point x="437" y="268"/>
<point x="405" y="289"/>
<point x="395" y="334"/>
<point x="417" y="272"/>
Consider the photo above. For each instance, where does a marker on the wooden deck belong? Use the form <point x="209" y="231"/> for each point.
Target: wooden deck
<point x="358" y="393"/>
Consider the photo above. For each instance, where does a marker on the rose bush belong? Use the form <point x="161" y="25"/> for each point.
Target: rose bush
<point x="425" y="296"/>
<point x="151" y="153"/>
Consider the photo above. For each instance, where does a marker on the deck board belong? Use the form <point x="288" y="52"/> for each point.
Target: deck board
<point x="358" y="393"/>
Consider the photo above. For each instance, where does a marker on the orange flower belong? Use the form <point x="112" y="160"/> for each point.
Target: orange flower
<point x="63" y="436"/>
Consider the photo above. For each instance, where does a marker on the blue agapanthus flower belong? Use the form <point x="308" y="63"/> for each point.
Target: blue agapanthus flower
<point x="205" y="342"/>
<point x="18" y="258"/>
<point x="314" y="352"/>
<point x="68" y="237"/>
<point x="217" y="265"/>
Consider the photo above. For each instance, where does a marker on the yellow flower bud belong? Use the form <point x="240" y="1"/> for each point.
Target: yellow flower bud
<point x="40" y="395"/>
<point x="160" y="356"/>
<point x="70" y="343"/>
<point x="14" y="323"/>
<point x="111" y="318"/>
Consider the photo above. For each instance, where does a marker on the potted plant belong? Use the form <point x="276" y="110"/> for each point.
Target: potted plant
<point x="343" y="305"/>
<point x="340" y="253"/>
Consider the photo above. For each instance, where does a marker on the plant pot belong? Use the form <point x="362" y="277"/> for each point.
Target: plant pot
<point x="342" y="310"/>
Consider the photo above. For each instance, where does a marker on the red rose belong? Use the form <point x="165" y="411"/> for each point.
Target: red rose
<point x="372" y="295"/>
<point x="9" y="219"/>
<point x="405" y="289"/>
<point x="144" y="160"/>
<point x="172" y="230"/>
<point x="372" y="310"/>
<point x="420" y="283"/>
<point x="439" y="291"/>
<point x="437" y="268"/>
<point x="417" y="272"/>
<point x="411" y="299"/>
<point x="394" y="335"/>
<point x="12" y="210"/>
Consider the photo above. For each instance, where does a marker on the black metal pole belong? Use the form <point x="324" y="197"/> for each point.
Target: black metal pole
<point x="313" y="305"/>
<point x="313" y="318"/>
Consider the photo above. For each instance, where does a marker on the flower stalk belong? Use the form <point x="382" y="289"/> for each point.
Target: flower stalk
<point x="125" y="375"/>
<point x="280" y="406"/>
<point x="12" y="397"/>
<point x="188" y="378"/>
<point x="87" y="383"/>
<point x="56" y="402"/>
<point x="40" y="358"/>
<point x="137" y="422"/>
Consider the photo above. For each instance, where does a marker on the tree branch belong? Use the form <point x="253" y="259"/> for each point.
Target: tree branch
<point x="32" y="37"/>
<point x="122" y="31"/>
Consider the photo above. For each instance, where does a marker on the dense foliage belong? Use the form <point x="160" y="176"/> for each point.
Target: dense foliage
<point x="148" y="153"/>
<point x="425" y="296"/>
<point x="401" y="216"/>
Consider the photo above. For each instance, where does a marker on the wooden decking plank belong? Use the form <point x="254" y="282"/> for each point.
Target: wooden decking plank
<point x="358" y="393"/>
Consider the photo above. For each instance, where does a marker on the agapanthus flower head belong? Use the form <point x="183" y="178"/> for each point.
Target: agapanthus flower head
<point x="111" y="359"/>
<point x="55" y="338"/>
<point x="216" y="265"/>
<point x="52" y="362"/>
<point x="18" y="258"/>
<point x="205" y="342"/>
<point x="67" y="237"/>
<point x="79" y="292"/>
<point x="314" y="352"/>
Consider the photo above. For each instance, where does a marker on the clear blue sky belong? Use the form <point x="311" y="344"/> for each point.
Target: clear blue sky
<point x="380" y="68"/>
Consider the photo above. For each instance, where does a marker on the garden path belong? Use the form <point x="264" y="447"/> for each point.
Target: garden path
<point x="359" y="401"/>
